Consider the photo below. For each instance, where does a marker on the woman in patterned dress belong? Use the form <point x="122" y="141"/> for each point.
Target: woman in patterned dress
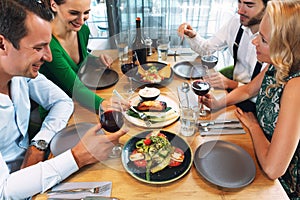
<point x="275" y="130"/>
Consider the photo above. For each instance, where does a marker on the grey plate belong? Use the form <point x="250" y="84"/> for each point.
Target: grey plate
<point x="184" y="70"/>
<point x="96" y="76"/>
<point x="224" y="164"/>
<point x="68" y="137"/>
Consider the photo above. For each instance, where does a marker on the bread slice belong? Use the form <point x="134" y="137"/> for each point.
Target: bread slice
<point x="165" y="72"/>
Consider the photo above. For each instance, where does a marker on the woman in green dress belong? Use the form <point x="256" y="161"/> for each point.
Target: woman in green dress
<point x="69" y="49"/>
<point x="275" y="130"/>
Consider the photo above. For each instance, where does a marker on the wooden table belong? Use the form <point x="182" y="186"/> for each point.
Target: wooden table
<point x="192" y="185"/>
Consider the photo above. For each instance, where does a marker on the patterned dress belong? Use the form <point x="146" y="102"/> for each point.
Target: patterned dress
<point x="267" y="115"/>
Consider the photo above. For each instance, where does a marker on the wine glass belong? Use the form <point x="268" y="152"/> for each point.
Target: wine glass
<point x="130" y="68"/>
<point x="209" y="59"/>
<point x="112" y="120"/>
<point x="201" y="86"/>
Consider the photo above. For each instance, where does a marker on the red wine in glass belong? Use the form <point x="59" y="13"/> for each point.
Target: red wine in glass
<point x="200" y="87"/>
<point x="111" y="120"/>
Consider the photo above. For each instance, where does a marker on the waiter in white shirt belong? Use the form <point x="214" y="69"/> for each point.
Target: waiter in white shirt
<point x="236" y="35"/>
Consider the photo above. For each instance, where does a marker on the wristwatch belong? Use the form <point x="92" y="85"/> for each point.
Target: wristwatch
<point x="41" y="145"/>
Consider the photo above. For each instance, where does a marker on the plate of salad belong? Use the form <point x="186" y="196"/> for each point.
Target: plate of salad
<point x="157" y="157"/>
<point x="154" y="73"/>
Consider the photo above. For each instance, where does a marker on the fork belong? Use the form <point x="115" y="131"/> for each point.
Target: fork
<point x="142" y="116"/>
<point x="95" y="190"/>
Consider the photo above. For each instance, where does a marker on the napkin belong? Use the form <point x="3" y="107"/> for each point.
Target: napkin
<point x="79" y="195"/>
<point x="219" y="130"/>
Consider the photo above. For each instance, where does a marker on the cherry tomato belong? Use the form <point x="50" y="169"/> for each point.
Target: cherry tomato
<point x="147" y="141"/>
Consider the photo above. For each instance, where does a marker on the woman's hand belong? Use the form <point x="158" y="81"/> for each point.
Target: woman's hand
<point x="247" y="118"/>
<point x="106" y="60"/>
<point x="211" y="102"/>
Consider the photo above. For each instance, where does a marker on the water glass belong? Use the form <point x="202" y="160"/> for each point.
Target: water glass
<point x="163" y="45"/>
<point x="121" y="40"/>
<point x="188" y="119"/>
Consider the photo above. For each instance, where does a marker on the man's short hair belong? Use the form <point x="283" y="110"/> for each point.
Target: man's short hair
<point x="13" y="17"/>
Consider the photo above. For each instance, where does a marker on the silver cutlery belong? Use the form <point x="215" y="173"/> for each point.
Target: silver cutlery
<point x="94" y="190"/>
<point x="206" y="128"/>
<point x="203" y="124"/>
<point x="142" y="115"/>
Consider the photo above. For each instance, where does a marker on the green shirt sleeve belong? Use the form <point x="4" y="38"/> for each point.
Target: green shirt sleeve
<point x="62" y="70"/>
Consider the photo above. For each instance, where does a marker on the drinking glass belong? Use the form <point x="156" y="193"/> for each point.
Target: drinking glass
<point x="163" y="45"/>
<point x="112" y="120"/>
<point x="122" y="41"/>
<point x="176" y="45"/>
<point x="201" y="87"/>
<point x="130" y="68"/>
<point x="209" y="59"/>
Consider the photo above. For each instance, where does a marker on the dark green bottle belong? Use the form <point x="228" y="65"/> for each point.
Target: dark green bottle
<point x="138" y="44"/>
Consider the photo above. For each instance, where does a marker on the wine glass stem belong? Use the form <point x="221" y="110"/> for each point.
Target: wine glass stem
<point x="130" y="85"/>
<point x="202" y="111"/>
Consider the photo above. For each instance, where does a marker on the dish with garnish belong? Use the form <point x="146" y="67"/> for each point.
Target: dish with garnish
<point x="157" y="157"/>
<point x="154" y="74"/>
<point x="161" y="112"/>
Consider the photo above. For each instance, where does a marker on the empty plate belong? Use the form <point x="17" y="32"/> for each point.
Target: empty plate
<point x="189" y="70"/>
<point x="68" y="137"/>
<point x="224" y="164"/>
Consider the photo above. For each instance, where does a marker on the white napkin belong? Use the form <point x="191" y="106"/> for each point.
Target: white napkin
<point x="223" y="131"/>
<point x="79" y="195"/>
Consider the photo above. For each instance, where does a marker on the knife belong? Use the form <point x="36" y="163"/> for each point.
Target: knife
<point x="207" y="123"/>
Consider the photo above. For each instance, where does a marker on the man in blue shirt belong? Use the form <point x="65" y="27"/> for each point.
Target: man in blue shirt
<point x="25" y="33"/>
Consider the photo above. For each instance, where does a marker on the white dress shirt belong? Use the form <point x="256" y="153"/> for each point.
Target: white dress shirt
<point x="225" y="38"/>
<point x="14" y="122"/>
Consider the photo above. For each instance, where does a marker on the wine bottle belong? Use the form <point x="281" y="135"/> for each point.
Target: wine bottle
<point x="138" y="44"/>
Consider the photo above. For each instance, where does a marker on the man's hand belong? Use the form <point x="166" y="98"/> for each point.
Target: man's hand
<point x="218" y="80"/>
<point x="186" y="29"/>
<point x="33" y="156"/>
<point x="94" y="147"/>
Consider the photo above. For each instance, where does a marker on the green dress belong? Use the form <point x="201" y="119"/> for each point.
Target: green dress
<point x="291" y="179"/>
<point x="62" y="70"/>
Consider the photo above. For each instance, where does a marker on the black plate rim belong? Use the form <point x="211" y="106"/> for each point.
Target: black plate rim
<point x="163" y="83"/>
<point x="251" y="162"/>
<point x="102" y="86"/>
<point x="139" y="136"/>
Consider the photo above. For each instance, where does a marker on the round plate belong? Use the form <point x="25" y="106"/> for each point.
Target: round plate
<point x="68" y="137"/>
<point x="167" y="175"/>
<point x="184" y="70"/>
<point x="159" y="66"/>
<point x="224" y="164"/>
<point x="135" y="99"/>
<point x="96" y="76"/>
